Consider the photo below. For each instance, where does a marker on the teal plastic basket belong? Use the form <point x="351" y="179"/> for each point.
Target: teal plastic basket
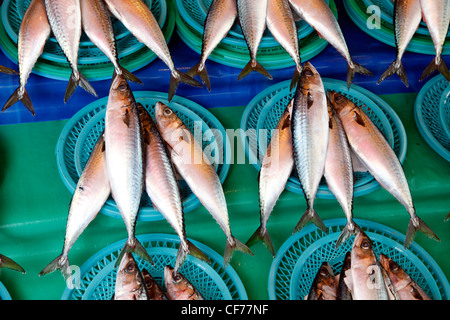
<point x="97" y="276"/>
<point x="264" y="111"/>
<point x="81" y="132"/>
<point x="444" y="111"/>
<point x="299" y="258"/>
<point x="428" y="116"/>
<point x="4" y="294"/>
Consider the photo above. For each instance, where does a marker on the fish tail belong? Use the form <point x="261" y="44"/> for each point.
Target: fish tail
<point x="135" y="247"/>
<point x="77" y="79"/>
<point x="177" y="77"/>
<point x="416" y="224"/>
<point x="254" y="65"/>
<point x="8" y="70"/>
<point x="6" y="262"/>
<point x="261" y="235"/>
<point x="188" y="248"/>
<point x="353" y="68"/>
<point x="60" y="263"/>
<point x="310" y="215"/>
<point x="128" y="75"/>
<point x="447" y="218"/>
<point x="232" y="245"/>
<point x="21" y="94"/>
<point x="296" y="77"/>
<point x="351" y="228"/>
<point x="395" y="67"/>
<point x="436" y="64"/>
<point x="200" y="69"/>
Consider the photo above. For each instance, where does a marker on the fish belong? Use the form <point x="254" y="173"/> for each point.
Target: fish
<point x="319" y="15"/>
<point x="33" y="34"/>
<point x="371" y="147"/>
<point x="252" y="17"/>
<point x="339" y="172"/>
<point x="192" y="164"/>
<point x="178" y="286"/>
<point x="324" y="286"/>
<point x="404" y="285"/>
<point x="65" y="21"/>
<point x="154" y="290"/>
<point x="162" y="187"/>
<point x="7" y="70"/>
<point x="280" y="22"/>
<point x="219" y="20"/>
<point x="276" y="168"/>
<point x="125" y="159"/>
<point x="310" y="126"/>
<point x="91" y="192"/>
<point x="343" y="291"/>
<point x="365" y="277"/>
<point x="8" y="263"/>
<point x="407" y="18"/>
<point x="98" y="27"/>
<point x="129" y="284"/>
<point x="436" y="14"/>
<point x="139" y="20"/>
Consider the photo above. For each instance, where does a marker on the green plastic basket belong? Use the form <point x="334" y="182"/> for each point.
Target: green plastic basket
<point x="82" y="131"/>
<point x="93" y="64"/>
<point x="264" y="111"/>
<point x="98" y="276"/>
<point x="299" y="258"/>
<point x="428" y="117"/>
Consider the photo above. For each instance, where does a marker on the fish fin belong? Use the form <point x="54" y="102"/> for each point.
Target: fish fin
<point x="447" y="217"/>
<point x="55" y="264"/>
<point x="310" y="215"/>
<point x="177" y="77"/>
<point x="136" y="248"/>
<point x="310" y="100"/>
<point x="357" y="163"/>
<point x="200" y="69"/>
<point x="263" y="236"/>
<point x="74" y="83"/>
<point x="126" y="118"/>
<point x="349" y="229"/>
<point x="229" y="249"/>
<point x="16" y="96"/>
<point x="128" y="75"/>
<point x="286" y="123"/>
<point x="295" y="77"/>
<point x="395" y="67"/>
<point x="146" y="137"/>
<point x="254" y="65"/>
<point x="357" y="68"/>
<point x="433" y="66"/>
<point x="6" y="262"/>
<point x="8" y="70"/>
<point x="359" y="120"/>
<point x="416" y="224"/>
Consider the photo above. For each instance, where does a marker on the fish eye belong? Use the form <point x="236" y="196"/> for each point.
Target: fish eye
<point x="176" y="278"/>
<point x="123" y="86"/>
<point x="393" y="266"/>
<point x="130" y="268"/>
<point x="338" y="98"/>
<point x="308" y="72"/>
<point x="167" y="111"/>
<point x="365" y="244"/>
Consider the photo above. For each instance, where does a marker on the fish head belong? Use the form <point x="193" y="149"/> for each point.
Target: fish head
<point x="310" y="78"/>
<point x="176" y="284"/>
<point x="120" y="90"/>
<point x="171" y="127"/>
<point x="128" y="279"/>
<point x="325" y="272"/>
<point x="362" y="250"/>
<point x="396" y="273"/>
<point x="339" y="102"/>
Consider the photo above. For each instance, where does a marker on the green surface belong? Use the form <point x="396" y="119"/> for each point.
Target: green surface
<point x="34" y="205"/>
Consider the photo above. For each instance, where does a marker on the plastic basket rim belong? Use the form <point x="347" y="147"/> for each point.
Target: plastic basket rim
<point x="4" y="293"/>
<point x="162" y="237"/>
<point x="420" y="122"/>
<point x="443" y="106"/>
<point x="363" y="223"/>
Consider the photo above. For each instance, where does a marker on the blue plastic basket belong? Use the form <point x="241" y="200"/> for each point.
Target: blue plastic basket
<point x="264" y="111"/>
<point x="4" y="294"/>
<point x="98" y="275"/>
<point x="81" y="132"/>
<point x="299" y="258"/>
<point x="444" y="111"/>
<point x="427" y="116"/>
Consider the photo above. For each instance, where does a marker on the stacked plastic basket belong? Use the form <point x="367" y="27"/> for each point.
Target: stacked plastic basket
<point x="233" y="51"/>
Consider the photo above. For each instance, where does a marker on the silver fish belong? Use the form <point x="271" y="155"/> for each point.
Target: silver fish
<point x="436" y="14"/>
<point x="319" y="15"/>
<point x="178" y="287"/>
<point x="339" y="172"/>
<point x="33" y="34"/>
<point x="90" y="195"/>
<point x="343" y="292"/>
<point x="162" y="186"/>
<point x="281" y="24"/>
<point x="325" y="285"/>
<point x="407" y="17"/>
<point x="192" y="164"/>
<point x="65" y="20"/>
<point x="139" y="20"/>
<point x="130" y="284"/>
<point x="98" y="27"/>
<point x="374" y="151"/>
<point x="276" y="169"/>
<point x="154" y="290"/>
<point x="310" y="126"/>
<point x="124" y="159"/>
<point x="221" y="17"/>
<point x="252" y="17"/>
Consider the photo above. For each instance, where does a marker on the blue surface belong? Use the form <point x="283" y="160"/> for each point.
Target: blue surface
<point x="48" y="95"/>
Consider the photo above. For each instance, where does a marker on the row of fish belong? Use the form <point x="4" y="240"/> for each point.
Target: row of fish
<point x="136" y="154"/>
<point x="324" y="134"/>
<point x="135" y="284"/>
<point x="278" y="17"/>
<point x="364" y="277"/>
<point x="407" y="17"/>
<point x="44" y="17"/>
